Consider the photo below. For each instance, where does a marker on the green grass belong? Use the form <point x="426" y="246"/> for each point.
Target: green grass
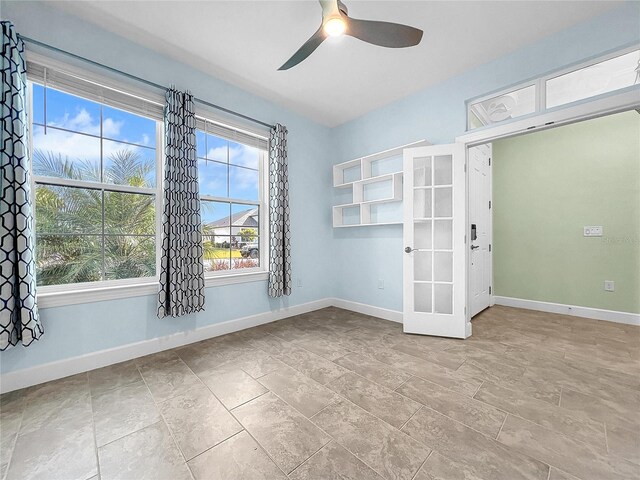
<point x="221" y="253"/>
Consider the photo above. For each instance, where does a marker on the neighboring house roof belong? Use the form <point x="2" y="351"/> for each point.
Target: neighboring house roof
<point x="245" y="218"/>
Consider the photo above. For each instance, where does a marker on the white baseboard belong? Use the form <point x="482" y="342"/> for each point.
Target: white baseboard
<point x="392" y="315"/>
<point x="70" y="366"/>
<point x="574" y="310"/>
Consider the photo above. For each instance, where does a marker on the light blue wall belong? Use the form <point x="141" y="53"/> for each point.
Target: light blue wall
<point x="366" y="254"/>
<point x="79" y="329"/>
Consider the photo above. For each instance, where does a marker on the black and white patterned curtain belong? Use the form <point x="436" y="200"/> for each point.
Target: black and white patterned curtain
<point x="19" y="319"/>
<point x="181" y="268"/>
<point x="279" y="235"/>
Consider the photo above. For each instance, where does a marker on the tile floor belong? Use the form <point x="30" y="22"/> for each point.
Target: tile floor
<point x="338" y="395"/>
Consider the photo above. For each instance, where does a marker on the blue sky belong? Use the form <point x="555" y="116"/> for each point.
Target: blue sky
<point x="226" y="168"/>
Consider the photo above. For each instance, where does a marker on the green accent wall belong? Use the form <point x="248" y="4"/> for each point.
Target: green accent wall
<point x="547" y="186"/>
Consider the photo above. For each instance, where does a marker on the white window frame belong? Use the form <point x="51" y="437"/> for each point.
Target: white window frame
<point x="540" y="84"/>
<point x="78" y="293"/>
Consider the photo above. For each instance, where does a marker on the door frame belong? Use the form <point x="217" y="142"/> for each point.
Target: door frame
<point x="587" y="110"/>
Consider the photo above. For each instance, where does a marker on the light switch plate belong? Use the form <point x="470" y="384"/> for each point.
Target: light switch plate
<point x="593" y="231"/>
<point x="609" y="285"/>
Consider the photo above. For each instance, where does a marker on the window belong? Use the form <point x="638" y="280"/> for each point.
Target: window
<point x="95" y="172"/>
<point x="231" y="189"/>
<point x="502" y="107"/>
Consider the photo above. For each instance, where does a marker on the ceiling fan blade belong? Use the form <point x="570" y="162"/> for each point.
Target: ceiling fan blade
<point x="384" y="34"/>
<point x="305" y="50"/>
<point x="329" y="8"/>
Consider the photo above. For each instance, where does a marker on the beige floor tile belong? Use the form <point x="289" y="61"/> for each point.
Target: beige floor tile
<point x="121" y="411"/>
<point x="148" y="454"/>
<point x="198" y="421"/>
<point x="477" y="415"/>
<point x="476" y="453"/>
<point x="11" y="408"/>
<point x="168" y="379"/>
<point x="555" y="474"/>
<point x="155" y="358"/>
<point x="256" y="363"/>
<point x="209" y="354"/>
<point x="232" y="386"/>
<point x="285" y="434"/>
<point x="237" y="458"/>
<point x="113" y="376"/>
<point x="444" y="358"/>
<point x="554" y="417"/>
<point x="301" y="392"/>
<point x="380" y="401"/>
<point x="579" y="459"/>
<point x="388" y="451"/>
<point x="624" y="442"/>
<point x="373" y="370"/>
<point x="314" y="366"/>
<point x="323" y="347"/>
<point x="609" y="411"/>
<point x="334" y="462"/>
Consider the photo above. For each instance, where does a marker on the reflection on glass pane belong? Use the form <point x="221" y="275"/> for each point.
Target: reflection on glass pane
<point x="243" y="183"/>
<point x="377" y="190"/>
<point x="503" y="107"/>
<point x="443" y="271"/>
<point x="213" y="178"/>
<point x="422" y="203"/>
<point x="201" y="146"/>
<point x="422" y="172"/>
<point x="386" y="165"/>
<point x="217" y="149"/>
<point x="422" y="297"/>
<point x="247" y="216"/>
<point x="443" y="202"/>
<point x="444" y="298"/>
<point x="68" y="210"/>
<point x="63" y="154"/>
<point x="37" y="103"/>
<point x="128" y="127"/>
<point x="62" y="259"/>
<point x="129" y="256"/>
<point x="72" y="113"/>
<point x="243" y="155"/>
<point x="422" y="266"/>
<point x="422" y="234"/>
<point x="442" y="170"/>
<point x="129" y="213"/>
<point x="603" y="77"/>
<point x="351" y="215"/>
<point x="443" y="236"/>
<point x="351" y="174"/>
<point x="126" y="164"/>
<point x="216" y="218"/>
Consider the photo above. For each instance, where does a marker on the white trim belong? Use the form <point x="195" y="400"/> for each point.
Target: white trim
<point x="384" y="313"/>
<point x="62" y="297"/>
<point x="574" y="310"/>
<point x="82" y="363"/>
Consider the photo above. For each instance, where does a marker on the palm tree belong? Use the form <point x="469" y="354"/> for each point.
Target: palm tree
<point x="86" y="234"/>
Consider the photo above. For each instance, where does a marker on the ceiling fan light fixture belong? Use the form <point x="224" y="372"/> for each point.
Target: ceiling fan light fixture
<point x="334" y="27"/>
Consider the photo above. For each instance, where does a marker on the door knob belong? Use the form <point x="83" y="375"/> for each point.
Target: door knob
<point x="408" y="250"/>
<point x="473" y="247"/>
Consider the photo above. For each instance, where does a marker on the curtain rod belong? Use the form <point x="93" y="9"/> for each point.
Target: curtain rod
<point x="142" y="80"/>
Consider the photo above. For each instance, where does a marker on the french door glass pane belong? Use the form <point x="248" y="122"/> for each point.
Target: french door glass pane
<point x="422" y="266"/>
<point x="442" y="170"/>
<point x="443" y="266"/>
<point x="422" y="234"/>
<point x="443" y="238"/>
<point x="422" y="297"/>
<point x="443" y="294"/>
<point x="422" y="203"/>
<point x="422" y="172"/>
<point x="443" y="202"/>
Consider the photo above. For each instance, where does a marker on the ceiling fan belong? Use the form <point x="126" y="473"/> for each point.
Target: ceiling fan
<point x="336" y="21"/>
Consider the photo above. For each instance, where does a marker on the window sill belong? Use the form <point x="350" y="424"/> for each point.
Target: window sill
<point x="49" y="299"/>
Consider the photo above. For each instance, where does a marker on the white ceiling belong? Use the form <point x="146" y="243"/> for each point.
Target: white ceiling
<point x="244" y="43"/>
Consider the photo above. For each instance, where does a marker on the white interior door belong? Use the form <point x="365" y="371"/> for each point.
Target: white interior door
<point x="479" y="228"/>
<point x="434" y="266"/>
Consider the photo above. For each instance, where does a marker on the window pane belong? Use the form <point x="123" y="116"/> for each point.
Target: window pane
<point x="213" y="178"/>
<point x="216" y="218"/>
<point x="37" y="103"/>
<point x="217" y="252"/>
<point x="217" y="149"/>
<point x="245" y="215"/>
<point x="63" y="154"/>
<point x="603" y="77"/>
<point x="129" y="213"/>
<point x="129" y="256"/>
<point x="128" y="165"/>
<point x="72" y="113"/>
<point x="128" y="127"/>
<point x="243" y="183"/>
<point x="201" y="147"/>
<point x="62" y="259"/>
<point x="243" y="155"/>
<point x="503" y="107"/>
<point x="68" y="210"/>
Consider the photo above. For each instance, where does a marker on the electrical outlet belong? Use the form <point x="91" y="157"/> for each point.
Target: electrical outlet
<point x="593" y="231"/>
<point x="381" y="284"/>
<point x="299" y="282"/>
<point x="609" y="286"/>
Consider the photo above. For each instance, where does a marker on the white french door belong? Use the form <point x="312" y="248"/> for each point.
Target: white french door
<point x="434" y="266"/>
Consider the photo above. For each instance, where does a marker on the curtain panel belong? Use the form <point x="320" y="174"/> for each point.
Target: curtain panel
<point x="181" y="268"/>
<point x="19" y="318"/>
<point x="279" y="234"/>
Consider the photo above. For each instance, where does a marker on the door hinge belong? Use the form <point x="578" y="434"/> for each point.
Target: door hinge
<point x="489" y="247"/>
<point x="465" y="239"/>
<point x="489" y="204"/>
<point x="489" y="290"/>
<point x="489" y="161"/>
